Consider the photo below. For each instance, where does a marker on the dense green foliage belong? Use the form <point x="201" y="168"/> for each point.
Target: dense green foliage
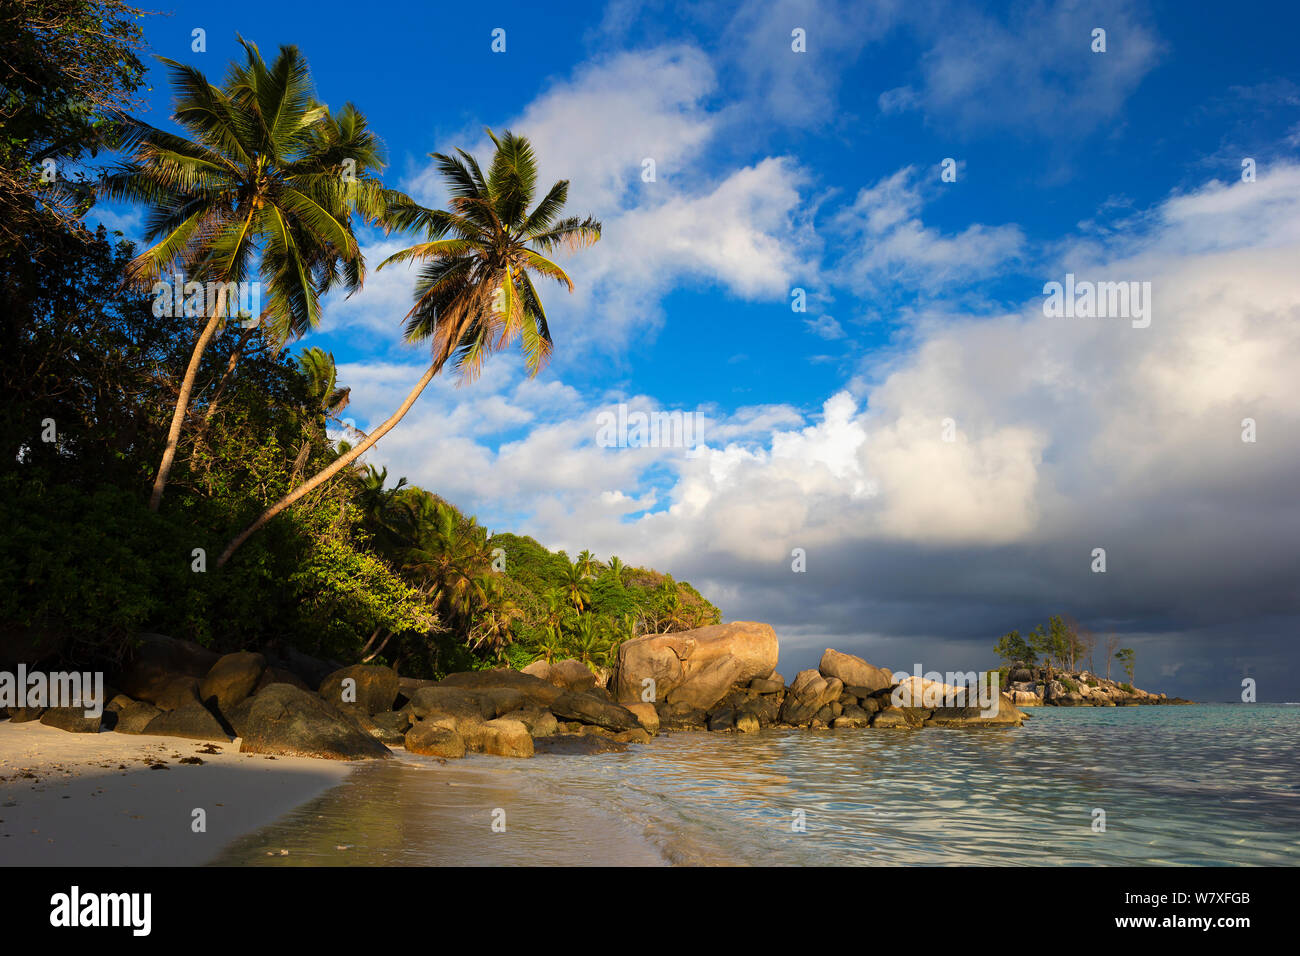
<point x="68" y="69"/>
<point x="359" y="569"/>
<point x="1062" y="644"/>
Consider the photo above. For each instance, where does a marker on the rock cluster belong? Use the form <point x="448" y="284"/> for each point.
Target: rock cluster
<point x="1037" y="686"/>
<point x="718" y="678"/>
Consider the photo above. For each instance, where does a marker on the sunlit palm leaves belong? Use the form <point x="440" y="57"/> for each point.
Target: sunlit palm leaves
<point x="475" y="292"/>
<point x="265" y="180"/>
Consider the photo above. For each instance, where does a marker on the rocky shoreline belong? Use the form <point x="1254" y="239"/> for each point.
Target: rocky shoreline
<point x="1042" y="686"/>
<point x="720" y="678"/>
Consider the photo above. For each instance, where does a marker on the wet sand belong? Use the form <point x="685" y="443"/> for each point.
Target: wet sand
<point x="417" y="811"/>
<point x="94" y="799"/>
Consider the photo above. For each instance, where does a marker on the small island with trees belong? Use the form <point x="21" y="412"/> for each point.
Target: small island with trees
<point x="1046" y="667"/>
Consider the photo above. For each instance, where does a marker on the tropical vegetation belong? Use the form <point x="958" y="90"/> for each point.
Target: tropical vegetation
<point x="272" y="526"/>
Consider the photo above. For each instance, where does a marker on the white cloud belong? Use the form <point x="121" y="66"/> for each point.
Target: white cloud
<point x="891" y="245"/>
<point x="1069" y="435"/>
<point x="826" y="327"/>
<point x="1029" y="69"/>
<point x="743" y="229"/>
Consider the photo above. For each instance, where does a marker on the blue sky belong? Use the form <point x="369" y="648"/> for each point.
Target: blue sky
<point x="820" y="170"/>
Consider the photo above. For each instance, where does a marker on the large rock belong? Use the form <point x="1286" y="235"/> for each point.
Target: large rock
<point x="72" y="719"/>
<point x="692" y="666"/>
<point x="540" y="669"/>
<point x="926" y="693"/>
<point x="436" y="701"/>
<point x="854" y="671"/>
<point x="892" y="718"/>
<point x="501" y="738"/>
<point x="809" y="693"/>
<point x="389" y="728"/>
<point x="434" y="740"/>
<point x="647" y="715"/>
<point x="231" y="679"/>
<point x="174" y="694"/>
<point x="372" y="688"/>
<point x="156" y="660"/>
<point x="278" y="675"/>
<point x="709" y="684"/>
<point x="589" y="709"/>
<point x="535" y="691"/>
<point x="132" y="716"/>
<point x="540" y="723"/>
<point x="1007" y="716"/>
<point x="572" y="674"/>
<point x="284" y="720"/>
<point x="505" y="699"/>
<point x="193" y="721"/>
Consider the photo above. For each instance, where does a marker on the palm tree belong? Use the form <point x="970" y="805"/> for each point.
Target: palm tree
<point x="325" y="400"/>
<point x="551" y="646"/>
<point x="587" y="564"/>
<point x="379" y="508"/>
<point x="475" y="292"/>
<point x="615" y="569"/>
<point x="556" y="611"/>
<point x="318" y="368"/>
<point x="587" y="640"/>
<point x="266" y="182"/>
<point x="577" y="589"/>
<point x="494" y="623"/>
<point x="450" y="558"/>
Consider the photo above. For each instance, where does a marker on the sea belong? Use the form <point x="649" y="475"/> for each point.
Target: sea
<point x="1193" y="785"/>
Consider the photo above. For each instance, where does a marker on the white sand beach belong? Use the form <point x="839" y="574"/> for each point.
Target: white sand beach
<point x="96" y="800"/>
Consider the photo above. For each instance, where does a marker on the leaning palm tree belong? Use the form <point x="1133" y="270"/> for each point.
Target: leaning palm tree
<point x="475" y="292"/>
<point x="263" y="182"/>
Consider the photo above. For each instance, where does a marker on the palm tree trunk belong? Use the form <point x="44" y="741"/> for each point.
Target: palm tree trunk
<point x="235" y="356"/>
<point x="373" y="636"/>
<point x="325" y="474"/>
<point x="182" y="406"/>
<point x="370" y="657"/>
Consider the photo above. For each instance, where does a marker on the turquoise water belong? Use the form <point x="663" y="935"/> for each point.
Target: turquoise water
<point x="1194" y="785"/>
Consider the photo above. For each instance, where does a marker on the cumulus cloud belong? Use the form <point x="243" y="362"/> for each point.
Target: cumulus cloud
<point x="966" y="485"/>
<point x="746" y="229"/>
<point x="892" y="246"/>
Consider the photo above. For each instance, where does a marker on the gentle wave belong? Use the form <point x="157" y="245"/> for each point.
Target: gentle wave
<point x="1187" y="785"/>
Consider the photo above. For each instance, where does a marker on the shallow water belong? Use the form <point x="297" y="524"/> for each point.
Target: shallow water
<point x="1194" y="785"/>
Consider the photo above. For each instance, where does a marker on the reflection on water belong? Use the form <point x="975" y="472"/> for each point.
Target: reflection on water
<point x="1179" y="785"/>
